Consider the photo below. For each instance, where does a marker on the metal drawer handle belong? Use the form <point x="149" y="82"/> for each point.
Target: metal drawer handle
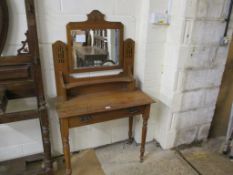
<point x="132" y="110"/>
<point x="86" y="118"/>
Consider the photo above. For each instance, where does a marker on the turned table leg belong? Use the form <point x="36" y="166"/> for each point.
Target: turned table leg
<point x="130" y="134"/>
<point x="66" y="146"/>
<point x="44" y="122"/>
<point x="145" y="117"/>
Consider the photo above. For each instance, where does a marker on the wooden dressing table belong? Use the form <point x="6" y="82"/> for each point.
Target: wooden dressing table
<point x="85" y="101"/>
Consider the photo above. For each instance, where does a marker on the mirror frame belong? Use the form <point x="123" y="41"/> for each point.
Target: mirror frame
<point x="95" y="21"/>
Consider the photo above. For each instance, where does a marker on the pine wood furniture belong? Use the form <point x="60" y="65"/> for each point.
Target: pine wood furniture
<point x="20" y="77"/>
<point x="85" y="101"/>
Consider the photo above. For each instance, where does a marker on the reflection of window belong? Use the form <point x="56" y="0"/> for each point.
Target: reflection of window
<point x="80" y="38"/>
<point x="101" y="39"/>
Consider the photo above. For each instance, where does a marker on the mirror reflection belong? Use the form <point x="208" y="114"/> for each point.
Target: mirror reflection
<point x="16" y="32"/>
<point x="96" y="48"/>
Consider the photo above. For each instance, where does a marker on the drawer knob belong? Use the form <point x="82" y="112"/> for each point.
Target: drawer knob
<point x="86" y="118"/>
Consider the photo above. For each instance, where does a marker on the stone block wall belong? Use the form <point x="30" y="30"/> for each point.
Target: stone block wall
<point x="197" y="65"/>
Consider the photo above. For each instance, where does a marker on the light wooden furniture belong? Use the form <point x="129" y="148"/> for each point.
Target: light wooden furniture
<point x="85" y="101"/>
<point x="21" y="78"/>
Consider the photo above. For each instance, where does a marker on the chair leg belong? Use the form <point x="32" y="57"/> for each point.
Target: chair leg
<point x="44" y="122"/>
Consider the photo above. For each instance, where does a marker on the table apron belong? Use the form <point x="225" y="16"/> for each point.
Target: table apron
<point x="83" y="120"/>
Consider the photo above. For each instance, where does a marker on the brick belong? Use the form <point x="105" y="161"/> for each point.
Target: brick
<point x="186" y="136"/>
<point x="49" y="83"/>
<point x="129" y="24"/>
<point x="211" y="96"/>
<point x="210" y="8"/>
<point x="207" y="32"/>
<point x="48" y="7"/>
<point x="191" y="7"/>
<point x="189" y="119"/>
<point x="119" y="130"/>
<point x="198" y="57"/>
<point x="32" y="148"/>
<point x="188" y="100"/>
<point x="204" y="8"/>
<point x="157" y="34"/>
<point x="195" y="79"/>
<point x="221" y="56"/>
<point x="78" y="139"/>
<point x="100" y="134"/>
<point x="11" y="152"/>
<point x="122" y="7"/>
<point x="12" y="136"/>
<point x="46" y="57"/>
<point x="53" y="27"/>
<point x="203" y="132"/>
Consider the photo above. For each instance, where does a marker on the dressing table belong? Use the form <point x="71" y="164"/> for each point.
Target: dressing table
<point x="92" y="99"/>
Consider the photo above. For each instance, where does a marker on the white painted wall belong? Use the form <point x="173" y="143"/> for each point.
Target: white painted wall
<point x="180" y="65"/>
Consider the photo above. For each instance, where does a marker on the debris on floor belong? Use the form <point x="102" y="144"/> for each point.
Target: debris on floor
<point x="84" y="163"/>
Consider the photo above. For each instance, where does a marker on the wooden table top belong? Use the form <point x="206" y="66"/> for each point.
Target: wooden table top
<point x="102" y="102"/>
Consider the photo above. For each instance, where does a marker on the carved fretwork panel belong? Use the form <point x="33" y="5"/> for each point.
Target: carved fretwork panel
<point x="60" y="56"/>
<point x="61" y="65"/>
<point x="129" y="56"/>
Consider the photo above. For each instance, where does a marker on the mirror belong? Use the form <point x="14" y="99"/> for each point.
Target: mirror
<point x="4" y="18"/>
<point x="14" y="13"/>
<point x="95" y="44"/>
<point x="95" y="48"/>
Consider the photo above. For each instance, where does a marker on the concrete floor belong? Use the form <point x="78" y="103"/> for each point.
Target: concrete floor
<point x="123" y="159"/>
<point x="199" y="159"/>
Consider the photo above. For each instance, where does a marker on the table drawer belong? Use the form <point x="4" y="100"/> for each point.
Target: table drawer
<point x="104" y="116"/>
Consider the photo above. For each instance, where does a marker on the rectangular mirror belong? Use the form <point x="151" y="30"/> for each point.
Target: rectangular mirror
<point x="95" y="44"/>
<point x="96" y="48"/>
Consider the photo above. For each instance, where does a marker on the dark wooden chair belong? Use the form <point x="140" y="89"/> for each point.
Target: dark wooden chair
<point x="20" y="78"/>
